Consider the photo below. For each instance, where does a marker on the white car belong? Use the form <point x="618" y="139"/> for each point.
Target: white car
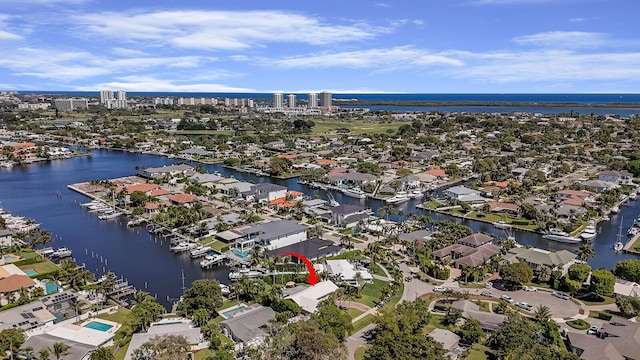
<point x="560" y="295"/>
<point x="507" y="298"/>
<point x="529" y="288"/>
<point x="439" y="289"/>
<point x="524" y="305"/>
<point x="593" y="330"/>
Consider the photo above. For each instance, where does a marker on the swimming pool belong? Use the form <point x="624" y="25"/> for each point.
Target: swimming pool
<point x="11" y="258"/>
<point x="51" y="288"/>
<point x="31" y="272"/>
<point x="229" y="313"/>
<point x="97" y="325"/>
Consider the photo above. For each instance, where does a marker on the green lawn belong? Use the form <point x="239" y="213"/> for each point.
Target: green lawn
<point x="227" y="304"/>
<point x="219" y="246"/>
<point x="376" y="270"/>
<point x="479" y="352"/>
<point x="433" y="204"/>
<point x="41" y="267"/>
<point x="27" y="254"/>
<point x="359" y="355"/>
<point x="601" y="300"/>
<point x="119" y="316"/>
<point x="371" y="293"/>
<point x="354" y="313"/>
<point x="435" y="322"/>
<point x="119" y="355"/>
<point x="368" y="319"/>
<point x="349" y="255"/>
<point x="398" y="295"/>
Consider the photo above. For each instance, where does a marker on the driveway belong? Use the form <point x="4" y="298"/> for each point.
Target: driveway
<point x="357" y="339"/>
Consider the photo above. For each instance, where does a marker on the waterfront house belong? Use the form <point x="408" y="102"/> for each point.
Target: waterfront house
<point x="172" y="170"/>
<point x="464" y="194"/>
<point x="207" y="180"/>
<point x="599" y="185"/>
<point x="182" y="199"/>
<point x="6" y="238"/>
<point x="437" y="173"/>
<point x="313" y="248"/>
<point x="423" y="156"/>
<point x="346" y="215"/>
<point x="272" y="235"/>
<point x="266" y="192"/>
<point x="626" y="288"/>
<point x="245" y="326"/>
<point x="473" y="250"/>
<point x="277" y="145"/>
<point x="616" y="339"/>
<point x="534" y="258"/>
<point x="502" y="207"/>
<point x="618" y="177"/>
<point x="26" y="317"/>
<point x="418" y="237"/>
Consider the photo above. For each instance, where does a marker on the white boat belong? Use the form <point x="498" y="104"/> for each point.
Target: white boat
<point x="615" y="210"/>
<point x="136" y="222"/>
<point x="110" y="215"/>
<point x="501" y="225"/>
<point x="182" y="246"/>
<point x="200" y="252"/>
<point x="354" y="192"/>
<point x="589" y="232"/>
<point x="633" y="231"/>
<point x="400" y="197"/>
<point x="633" y="196"/>
<point x="415" y="194"/>
<point x="211" y="260"/>
<point x="224" y="289"/>
<point x="561" y="236"/>
<point x="61" y="252"/>
<point x="244" y="272"/>
<point x="605" y="218"/>
<point x="618" y="246"/>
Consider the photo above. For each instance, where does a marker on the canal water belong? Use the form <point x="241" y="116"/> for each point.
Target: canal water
<point x="39" y="191"/>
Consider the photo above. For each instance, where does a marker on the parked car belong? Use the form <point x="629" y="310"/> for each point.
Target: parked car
<point x="561" y="295"/>
<point x="593" y="330"/>
<point x="524" y="305"/>
<point x="488" y="285"/>
<point x="529" y="288"/>
<point x="486" y="293"/>
<point x="439" y="289"/>
<point x="507" y="298"/>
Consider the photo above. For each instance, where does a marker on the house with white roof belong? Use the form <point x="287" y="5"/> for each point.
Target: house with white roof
<point x="309" y="298"/>
<point x="346" y="272"/>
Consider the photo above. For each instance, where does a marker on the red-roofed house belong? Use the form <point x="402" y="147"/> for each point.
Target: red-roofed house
<point x="497" y="206"/>
<point x="439" y="173"/>
<point x="145" y="188"/>
<point x="159" y="192"/>
<point x="15" y="282"/>
<point x="287" y="156"/>
<point x="182" y="199"/>
<point x="151" y="208"/>
<point x="573" y="197"/>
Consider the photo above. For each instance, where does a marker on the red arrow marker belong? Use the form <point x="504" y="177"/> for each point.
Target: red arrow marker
<point x="312" y="279"/>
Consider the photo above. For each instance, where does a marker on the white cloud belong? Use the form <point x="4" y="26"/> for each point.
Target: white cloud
<point x="398" y="57"/>
<point x="127" y="52"/>
<point x="564" y="39"/>
<point x="150" y="83"/>
<point x="577" y="19"/>
<point x="5" y="35"/>
<point x="213" y="30"/>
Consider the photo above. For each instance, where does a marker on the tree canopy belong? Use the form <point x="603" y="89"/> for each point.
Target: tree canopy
<point x="204" y="295"/>
<point x="518" y="272"/>
<point x="602" y="282"/>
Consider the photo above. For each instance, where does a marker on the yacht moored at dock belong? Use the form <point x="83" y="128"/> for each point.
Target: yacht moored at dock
<point x="211" y="260"/>
<point x="200" y="252"/>
<point x="415" y="194"/>
<point x="400" y="197"/>
<point x="61" y="253"/>
<point x="244" y="272"/>
<point x="355" y="192"/>
<point x="589" y="232"/>
<point x="561" y="236"/>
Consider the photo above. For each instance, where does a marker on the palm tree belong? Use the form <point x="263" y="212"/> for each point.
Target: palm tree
<point x="102" y="353"/>
<point x="360" y="281"/>
<point x="43" y="354"/>
<point x="542" y="313"/>
<point x="59" y="349"/>
<point x="586" y="252"/>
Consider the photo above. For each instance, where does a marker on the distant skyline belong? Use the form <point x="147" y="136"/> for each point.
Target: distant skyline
<point x="399" y="46"/>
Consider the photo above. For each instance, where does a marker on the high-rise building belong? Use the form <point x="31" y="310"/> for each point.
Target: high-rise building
<point x="70" y="104"/>
<point x="105" y="96"/>
<point x="278" y="100"/>
<point x="325" y="100"/>
<point x="291" y="100"/>
<point x="313" y="100"/>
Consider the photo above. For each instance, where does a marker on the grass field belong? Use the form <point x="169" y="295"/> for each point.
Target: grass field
<point x="354" y="313"/>
<point x="359" y="355"/>
<point x="435" y="322"/>
<point x="41" y="267"/>
<point x="358" y="325"/>
<point x="479" y="352"/>
<point x="376" y="270"/>
<point x="356" y="127"/>
<point x="219" y="246"/>
<point x="371" y="293"/>
<point x="119" y="316"/>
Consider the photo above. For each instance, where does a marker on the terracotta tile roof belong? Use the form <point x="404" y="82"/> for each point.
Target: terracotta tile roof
<point x="15" y="282"/>
<point x="326" y="162"/>
<point x="182" y="198"/>
<point x="141" y="187"/>
<point x="24" y="145"/>
<point x="287" y="156"/>
<point x="436" y="172"/>
<point x="159" y="192"/>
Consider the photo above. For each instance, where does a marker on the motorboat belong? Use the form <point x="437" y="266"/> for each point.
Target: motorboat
<point x="633" y="231"/>
<point x="615" y="210"/>
<point x="354" y="192"/>
<point x="110" y="215"/>
<point x="199" y="252"/>
<point x="633" y="196"/>
<point x="244" y="272"/>
<point x="136" y="222"/>
<point x="61" y="253"/>
<point x="501" y="225"/>
<point x="210" y="260"/>
<point x="589" y="232"/>
<point x="182" y="246"/>
<point x="561" y="236"/>
<point x="224" y="289"/>
<point x="400" y="197"/>
<point x="415" y="194"/>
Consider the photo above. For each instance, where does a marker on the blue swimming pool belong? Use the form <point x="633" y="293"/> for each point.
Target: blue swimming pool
<point x="97" y="325"/>
<point x="229" y="313"/>
<point x="51" y="288"/>
<point x="31" y="272"/>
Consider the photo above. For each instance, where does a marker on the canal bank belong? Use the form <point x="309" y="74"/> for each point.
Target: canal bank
<point x="145" y="261"/>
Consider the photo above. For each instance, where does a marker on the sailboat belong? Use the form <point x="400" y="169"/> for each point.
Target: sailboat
<point x="618" y="246"/>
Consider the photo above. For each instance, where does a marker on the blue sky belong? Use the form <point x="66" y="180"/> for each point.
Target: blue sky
<point x="426" y="46"/>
